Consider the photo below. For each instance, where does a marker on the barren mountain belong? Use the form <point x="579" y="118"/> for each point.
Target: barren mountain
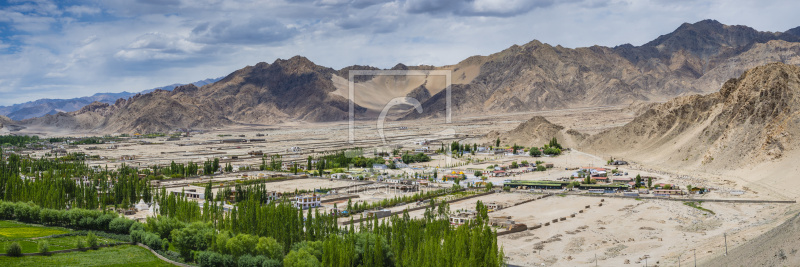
<point x="265" y="93"/>
<point x="43" y="107"/>
<point x="753" y="118"/>
<point x="695" y="58"/>
<point x="536" y="132"/>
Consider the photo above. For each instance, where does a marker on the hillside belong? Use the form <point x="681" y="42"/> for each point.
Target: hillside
<point x="777" y="247"/>
<point x="695" y="58"/>
<point x="537" y="131"/>
<point x="41" y="107"/>
<point x="4" y="121"/>
<point x="759" y="112"/>
<point x="293" y="89"/>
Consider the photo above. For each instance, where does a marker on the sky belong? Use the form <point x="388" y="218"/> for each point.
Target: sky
<point x="65" y="49"/>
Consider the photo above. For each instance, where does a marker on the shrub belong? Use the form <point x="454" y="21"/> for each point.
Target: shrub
<point x="148" y="239"/>
<point x="271" y="263"/>
<point x="44" y="247"/>
<point x="91" y="241"/>
<point x="209" y="258"/>
<point x="14" y="250"/>
<point x="135" y="226"/>
<point x="251" y="261"/>
<point x="120" y="225"/>
<point x="80" y="244"/>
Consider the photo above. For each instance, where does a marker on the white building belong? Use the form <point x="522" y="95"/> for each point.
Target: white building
<point x="305" y="202"/>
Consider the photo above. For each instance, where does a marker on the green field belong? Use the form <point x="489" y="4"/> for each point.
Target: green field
<point x="58" y="243"/>
<point x="28" y="237"/>
<point x="13" y="230"/>
<point x="123" y="255"/>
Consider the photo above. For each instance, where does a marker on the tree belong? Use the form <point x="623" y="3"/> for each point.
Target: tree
<point x="649" y="182"/>
<point x="209" y="194"/>
<point x="195" y="236"/>
<point x="241" y="244"/>
<point x="554" y="143"/>
<point x="216" y="165"/>
<point x="478" y="173"/>
<point x="638" y="181"/>
<point x="535" y="152"/>
<point x="497" y="142"/>
<point x="269" y="247"/>
<point x="301" y="258"/>
<point x="552" y="151"/>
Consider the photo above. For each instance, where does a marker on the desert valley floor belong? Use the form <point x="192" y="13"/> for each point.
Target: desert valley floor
<point x="580" y="229"/>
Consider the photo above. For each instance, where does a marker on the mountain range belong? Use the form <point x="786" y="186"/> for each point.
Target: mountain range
<point x="694" y="59"/>
<point x="45" y="106"/>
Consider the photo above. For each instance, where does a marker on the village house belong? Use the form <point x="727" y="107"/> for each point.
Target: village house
<point x="305" y="202"/>
<point x="191" y="193"/>
<point x="462" y="217"/>
<point x="498" y="173"/>
<point x="493" y="206"/>
<point x="380" y="167"/>
<point x="667" y="192"/>
<point x="378" y="213"/>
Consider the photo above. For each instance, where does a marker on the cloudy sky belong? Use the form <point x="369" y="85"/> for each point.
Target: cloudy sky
<point x="64" y="49"/>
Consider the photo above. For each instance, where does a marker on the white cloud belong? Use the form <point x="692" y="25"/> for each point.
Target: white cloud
<point x="83" y="10"/>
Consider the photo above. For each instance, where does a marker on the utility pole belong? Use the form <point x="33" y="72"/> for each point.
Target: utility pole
<point x="726" y="243"/>
<point x="595" y="259"/>
<point x="695" y="257"/>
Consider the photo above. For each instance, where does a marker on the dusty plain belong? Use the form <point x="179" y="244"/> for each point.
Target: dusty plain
<point x="622" y="231"/>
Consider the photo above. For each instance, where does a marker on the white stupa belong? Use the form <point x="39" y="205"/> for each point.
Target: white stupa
<point x="142" y="206"/>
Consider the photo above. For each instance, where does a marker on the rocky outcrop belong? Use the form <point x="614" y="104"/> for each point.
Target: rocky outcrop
<point x="753" y="118"/>
<point x="536" y="132"/>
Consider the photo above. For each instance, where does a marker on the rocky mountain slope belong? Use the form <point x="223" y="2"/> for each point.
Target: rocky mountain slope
<point x="777" y="247"/>
<point x="4" y="120"/>
<point x="536" y="132"/>
<point x="293" y="89"/>
<point x="695" y="58"/>
<point x="753" y="118"/>
<point x="41" y="107"/>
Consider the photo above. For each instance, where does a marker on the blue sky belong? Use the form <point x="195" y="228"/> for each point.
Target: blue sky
<point x="64" y="49"/>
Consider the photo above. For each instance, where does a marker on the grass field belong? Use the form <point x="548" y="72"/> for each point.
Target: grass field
<point x="58" y="243"/>
<point x="123" y="255"/>
<point x="14" y="230"/>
